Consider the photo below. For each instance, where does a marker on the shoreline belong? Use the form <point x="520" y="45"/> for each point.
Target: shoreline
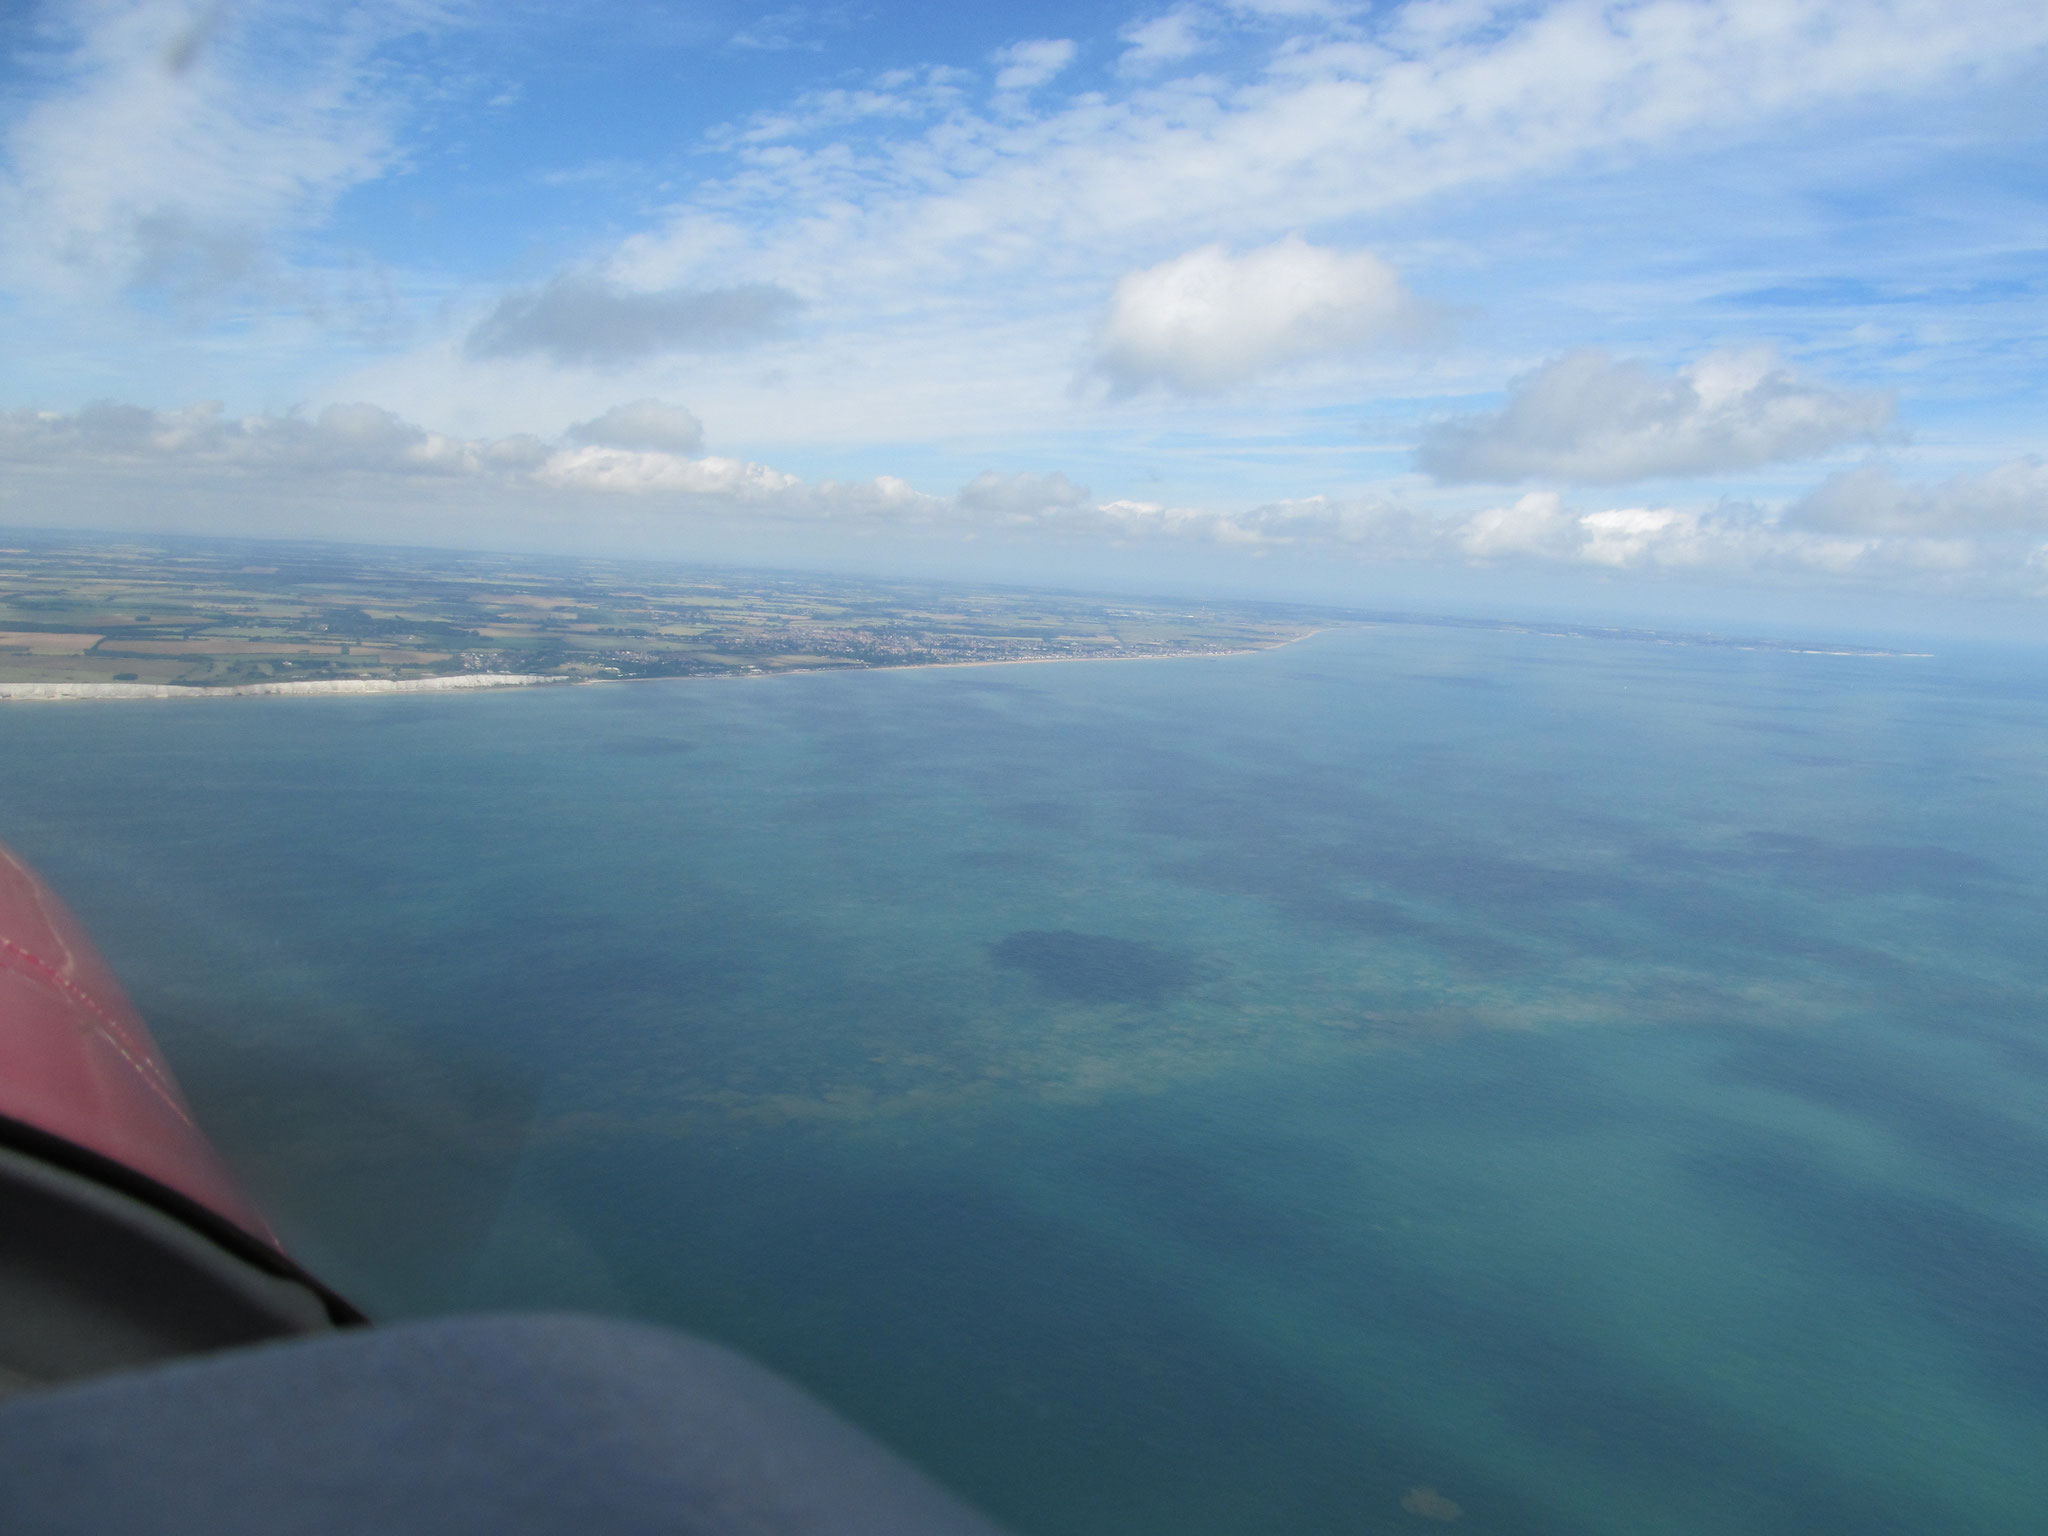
<point x="997" y="661"/>
<point x="465" y="682"/>
<point x="459" y="682"/>
<point x="462" y="682"/>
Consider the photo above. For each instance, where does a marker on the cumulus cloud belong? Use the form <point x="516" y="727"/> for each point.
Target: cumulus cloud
<point x="1207" y="320"/>
<point x="1023" y="497"/>
<point x="1027" y="66"/>
<point x="643" y="424"/>
<point x="2011" y="499"/>
<point x="1544" y="529"/>
<point x="722" y="487"/>
<point x="344" y="437"/>
<point x="1983" y="532"/>
<point x="201" y="445"/>
<point x="1369" y="525"/>
<point x="589" y="320"/>
<point x="1591" y="419"/>
<point x="1748" y="543"/>
<point x="620" y="469"/>
<point x="1540" y="526"/>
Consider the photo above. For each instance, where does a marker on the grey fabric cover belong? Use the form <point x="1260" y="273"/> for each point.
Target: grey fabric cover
<point x="505" y="1426"/>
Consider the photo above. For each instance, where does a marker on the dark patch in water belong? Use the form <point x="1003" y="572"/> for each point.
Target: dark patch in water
<point x="1090" y="968"/>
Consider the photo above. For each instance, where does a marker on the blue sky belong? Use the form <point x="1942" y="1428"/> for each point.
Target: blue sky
<point x="1660" y="306"/>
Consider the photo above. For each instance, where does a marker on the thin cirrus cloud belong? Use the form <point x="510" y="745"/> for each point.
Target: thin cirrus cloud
<point x="1026" y="66"/>
<point x="1207" y="320"/>
<point x="1154" y="42"/>
<point x="178" y="141"/>
<point x="1592" y="420"/>
<point x="594" y="322"/>
<point x="1326" y="130"/>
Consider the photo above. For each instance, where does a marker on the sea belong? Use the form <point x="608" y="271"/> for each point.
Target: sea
<point x="1417" y="1078"/>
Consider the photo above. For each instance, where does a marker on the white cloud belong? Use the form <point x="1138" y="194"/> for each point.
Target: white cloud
<point x="1979" y="533"/>
<point x="643" y="424"/>
<point x="1164" y="39"/>
<point x="1542" y="527"/>
<point x="1369" y="526"/>
<point x="1534" y="526"/>
<point x="778" y="32"/>
<point x="1026" y="66"/>
<point x="922" y="232"/>
<point x="2011" y="499"/>
<point x="354" y="437"/>
<point x="1207" y="320"/>
<point x="927" y="232"/>
<point x="898" y="95"/>
<point x="955" y="257"/>
<point x="1333" y="128"/>
<point x="1022" y="498"/>
<point x="1590" y="419"/>
<point x="1300" y="10"/>
<point x="623" y="470"/>
<point x="1745" y="544"/>
<point x="295" y="455"/>
<point x="1542" y="530"/>
<point x="578" y="319"/>
<point x="1626" y="535"/>
<point x="182" y="138"/>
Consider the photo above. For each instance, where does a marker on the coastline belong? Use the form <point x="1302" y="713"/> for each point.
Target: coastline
<point x="471" y="681"/>
<point x="460" y="682"/>
<point x="468" y="681"/>
<point x="995" y="661"/>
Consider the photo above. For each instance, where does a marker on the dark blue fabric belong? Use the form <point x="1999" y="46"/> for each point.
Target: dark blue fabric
<point x="512" y="1426"/>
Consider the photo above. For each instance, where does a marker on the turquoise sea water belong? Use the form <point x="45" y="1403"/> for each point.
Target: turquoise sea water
<point x="1589" y="1087"/>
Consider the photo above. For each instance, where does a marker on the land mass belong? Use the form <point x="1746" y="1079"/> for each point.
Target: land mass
<point x="110" y="617"/>
<point x="225" y="614"/>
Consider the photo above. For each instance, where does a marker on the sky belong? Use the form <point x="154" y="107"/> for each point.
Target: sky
<point x="1666" y="309"/>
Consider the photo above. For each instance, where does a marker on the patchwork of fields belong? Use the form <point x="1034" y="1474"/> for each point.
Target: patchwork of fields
<point x="213" y="613"/>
